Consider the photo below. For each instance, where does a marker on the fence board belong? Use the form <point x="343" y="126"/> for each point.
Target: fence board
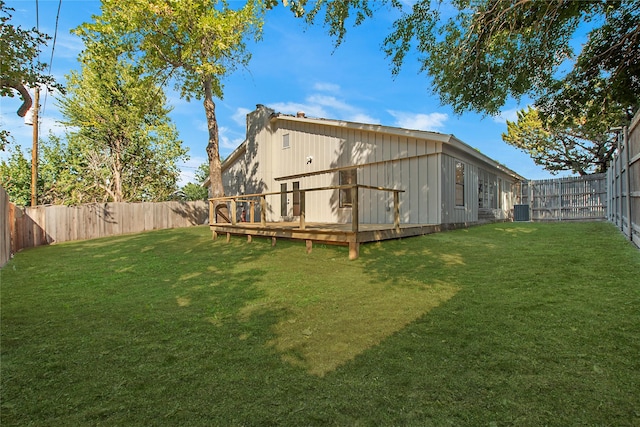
<point x="41" y="225"/>
<point x="565" y="199"/>
<point x="5" y="228"/>
<point x="623" y="179"/>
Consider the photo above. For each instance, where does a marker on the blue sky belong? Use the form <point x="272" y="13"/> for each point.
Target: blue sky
<point x="293" y="68"/>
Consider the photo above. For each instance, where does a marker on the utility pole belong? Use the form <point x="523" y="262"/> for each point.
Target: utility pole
<point x="34" y="150"/>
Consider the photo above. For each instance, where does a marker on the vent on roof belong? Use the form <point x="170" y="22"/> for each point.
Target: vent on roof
<point x="300" y="114"/>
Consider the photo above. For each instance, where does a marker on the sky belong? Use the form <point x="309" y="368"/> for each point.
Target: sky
<point x="293" y="68"/>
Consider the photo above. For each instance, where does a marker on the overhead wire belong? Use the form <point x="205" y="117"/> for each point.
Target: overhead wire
<point x="53" y="48"/>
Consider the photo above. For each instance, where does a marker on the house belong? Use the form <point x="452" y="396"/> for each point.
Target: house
<point x="444" y="181"/>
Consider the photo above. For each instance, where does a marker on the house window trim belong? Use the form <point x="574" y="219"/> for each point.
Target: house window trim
<point x="286" y="141"/>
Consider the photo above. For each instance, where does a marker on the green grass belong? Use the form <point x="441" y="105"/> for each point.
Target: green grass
<point x="521" y="324"/>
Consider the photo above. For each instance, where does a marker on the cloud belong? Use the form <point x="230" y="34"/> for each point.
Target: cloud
<point x="309" y="109"/>
<point x="240" y="116"/>
<point x="510" y="114"/>
<point x="229" y="140"/>
<point x="419" y="121"/>
<point x="326" y="87"/>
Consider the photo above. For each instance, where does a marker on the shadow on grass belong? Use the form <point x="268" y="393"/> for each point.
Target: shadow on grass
<point x="472" y="327"/>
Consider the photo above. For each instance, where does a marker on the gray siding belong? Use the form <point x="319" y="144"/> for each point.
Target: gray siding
<point x="420" y="163"/>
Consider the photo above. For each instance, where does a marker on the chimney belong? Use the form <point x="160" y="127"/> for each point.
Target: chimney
<point x="300" y="114"/>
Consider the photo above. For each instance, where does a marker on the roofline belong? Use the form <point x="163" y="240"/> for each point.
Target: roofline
<point x="418" y="134"/>
<point x="231" y="158"/>
<point x="463" y="146"/>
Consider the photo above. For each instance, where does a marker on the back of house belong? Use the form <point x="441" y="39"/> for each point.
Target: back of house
<point x="444" y="181"/>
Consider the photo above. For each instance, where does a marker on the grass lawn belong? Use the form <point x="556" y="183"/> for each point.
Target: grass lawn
<point x="517" y="324"/>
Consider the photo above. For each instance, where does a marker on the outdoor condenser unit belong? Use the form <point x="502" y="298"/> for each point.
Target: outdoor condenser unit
<point x="521" y="212"/>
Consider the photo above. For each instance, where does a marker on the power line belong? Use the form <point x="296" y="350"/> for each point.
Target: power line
<point x="53" y="48"/>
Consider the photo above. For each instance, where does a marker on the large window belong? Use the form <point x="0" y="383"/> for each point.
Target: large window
<point x="347" y="177"/>
<point x="459" y="184"/>
<point x="488" y="190"/>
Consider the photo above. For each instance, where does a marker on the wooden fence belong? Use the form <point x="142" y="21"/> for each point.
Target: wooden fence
<point x="623" y="179"/>
<point x="42" y="225"/>
<point x="5" y="228"/>
<point x="564" y="199"/>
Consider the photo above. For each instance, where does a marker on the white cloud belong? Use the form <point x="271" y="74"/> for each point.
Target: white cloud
<point x="240" y="116"/>
<point x="293" y="107"/>
<point x="510" y="114"/>
<point x="363" y="118"/>
<point x="326" y="87"/>
<point x="419" y="121"/>
<point x="229" y="140"/>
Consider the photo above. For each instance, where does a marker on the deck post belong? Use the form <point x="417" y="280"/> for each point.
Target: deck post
<point x="309" y="244"/>
<point x="354" y="209"/>
<point x="263" y="210"/>
<point x="302" y="210"/>
<point x="396" y="210"/>
<point x="354" y="249"/>
<point x="211" y="212"/>
<point x="228" y="237"/>
<point x="252" y="207"/>
<point x="233" y="212"/>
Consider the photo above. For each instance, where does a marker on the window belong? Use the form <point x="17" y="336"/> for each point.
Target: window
<point x="285" y="141"/>
<point x="346" y="177"/>
<point x="459" y="184"/>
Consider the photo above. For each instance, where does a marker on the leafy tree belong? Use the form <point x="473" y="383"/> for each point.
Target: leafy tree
<point x="195" y="43"/>
<point x="492" y="49"/>
<point x="121" y="145"/>
<point x="20" y="67"/>
<point x="15" y="177"/>
<point x="195" y="191"/>
<point x="578" y="146"/>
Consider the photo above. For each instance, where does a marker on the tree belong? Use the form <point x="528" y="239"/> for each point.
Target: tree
<point x="121" y="144"/>
<point x="580" y="147"/>
<point x="20" y="67"/>
<point x="490" y="50"/>
<point x="15" y="177"/>
<point x="195" y="43"/>
<point x="195" y="191"/>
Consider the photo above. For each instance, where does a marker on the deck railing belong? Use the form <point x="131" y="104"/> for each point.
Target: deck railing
<point x="261" y="198"/>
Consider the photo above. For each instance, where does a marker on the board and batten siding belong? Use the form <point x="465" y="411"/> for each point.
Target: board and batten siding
<point x="452" y="214"/>
<point x="422" y="164"/>
<point x="382" y="160"/>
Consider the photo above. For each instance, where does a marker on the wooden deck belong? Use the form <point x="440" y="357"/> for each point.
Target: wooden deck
<point x="341" y="234"/>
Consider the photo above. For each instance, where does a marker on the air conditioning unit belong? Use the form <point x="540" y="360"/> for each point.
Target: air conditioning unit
<point x="521" y="213"/>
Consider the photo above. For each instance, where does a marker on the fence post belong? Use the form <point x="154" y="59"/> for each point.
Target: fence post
<point x="627" y="168"/>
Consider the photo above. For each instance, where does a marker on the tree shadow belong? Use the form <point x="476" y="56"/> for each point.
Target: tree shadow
<point x="194" y="213"/>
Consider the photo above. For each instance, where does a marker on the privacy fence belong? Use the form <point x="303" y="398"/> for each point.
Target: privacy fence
<point x="581" y="198"/>
<point x="623" y="181"/>
<point x="42" y="225"/>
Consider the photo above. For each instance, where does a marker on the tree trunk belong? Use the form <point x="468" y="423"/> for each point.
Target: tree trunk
<point x="213" y="148"/>
<point x="117" y="174"/>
